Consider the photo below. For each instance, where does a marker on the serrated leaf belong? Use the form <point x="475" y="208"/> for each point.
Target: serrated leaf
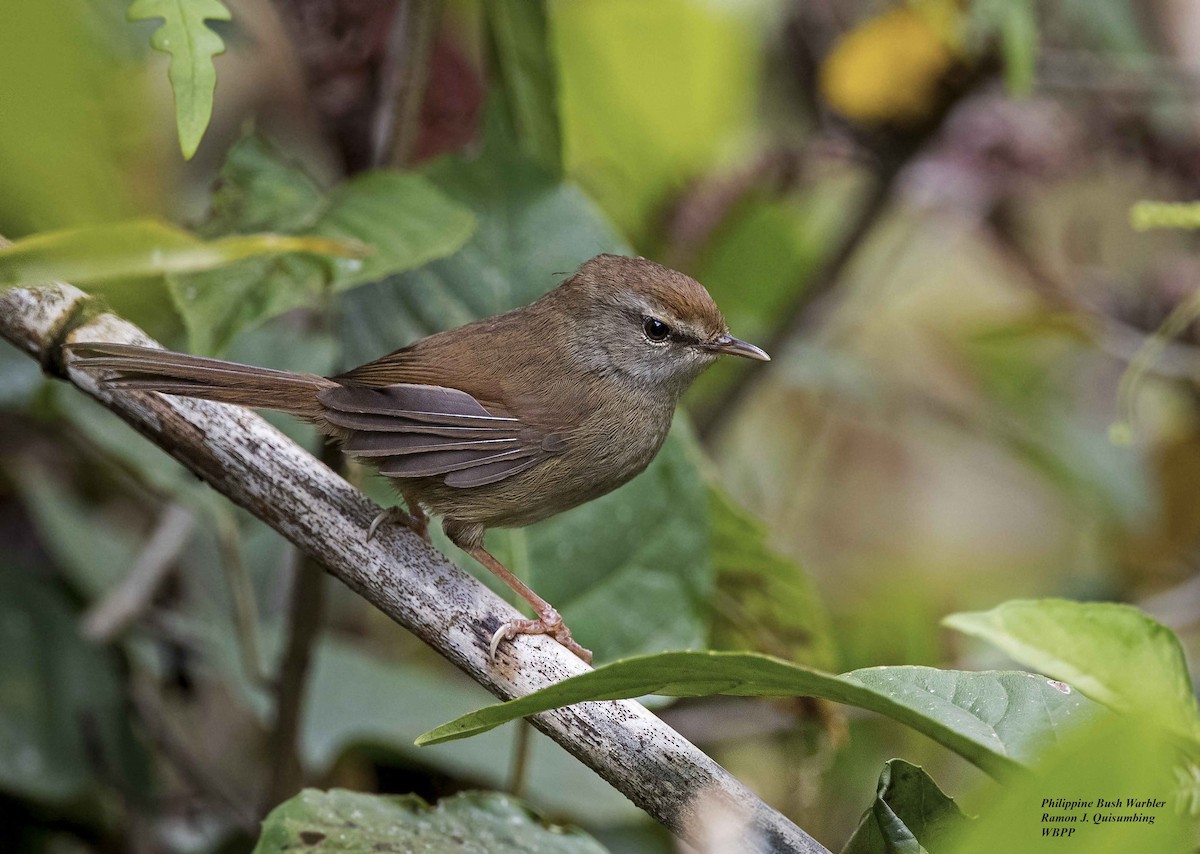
<point x="191" y="44"/>
<point x="1113" y="653"/>
<point x="1000" y="721"/>
<point x="910" y="814"/>
<point x="142" y="248"/>
<point x="467" y="823"/>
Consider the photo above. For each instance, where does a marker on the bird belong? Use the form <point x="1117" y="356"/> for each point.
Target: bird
<point x="499" y="423"/>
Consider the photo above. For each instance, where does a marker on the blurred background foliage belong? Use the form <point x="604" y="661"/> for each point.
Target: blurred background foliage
<point x="921" y="209"/>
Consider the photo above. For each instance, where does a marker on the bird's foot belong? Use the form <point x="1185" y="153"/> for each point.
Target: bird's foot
<point x="415" y="520"/>
<point x="549" y="622"/>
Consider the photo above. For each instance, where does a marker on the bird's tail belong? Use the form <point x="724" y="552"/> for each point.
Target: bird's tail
<point x="125" y="366"/>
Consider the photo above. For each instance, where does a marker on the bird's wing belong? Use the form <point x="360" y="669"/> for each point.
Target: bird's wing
<point x="417" y="430"/>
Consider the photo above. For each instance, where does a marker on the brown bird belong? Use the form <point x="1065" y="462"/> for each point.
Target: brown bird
<point x="499" y="423"/>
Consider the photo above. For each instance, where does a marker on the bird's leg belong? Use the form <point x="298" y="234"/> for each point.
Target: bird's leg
<point x="549" y="621"/>
<point x="413" y="518"/>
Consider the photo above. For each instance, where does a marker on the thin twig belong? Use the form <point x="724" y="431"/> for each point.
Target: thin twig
<point x="304" y="625"/>
<point x="241" y="594"/>
<point x="111" y="616"/>
<point x="404" y="73"/>
<point x="522" y="747"/>
<point x="256" y="466"/>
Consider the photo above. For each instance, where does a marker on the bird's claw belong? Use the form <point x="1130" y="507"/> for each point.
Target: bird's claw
<point x="549" y="623"/>
<point x="414" y="521"/>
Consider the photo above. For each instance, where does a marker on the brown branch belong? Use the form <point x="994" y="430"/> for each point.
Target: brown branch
<point x="257" y="467"/>
<point x="404" y="74"/>
<point x="107" y="619"/>
<point x="304" y="625"/>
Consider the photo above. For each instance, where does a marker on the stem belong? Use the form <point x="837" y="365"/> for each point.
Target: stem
<point x="522" y="749"/>
<point x="304" y="625"/>
<point x="405" y="73"/>
<point x="241" y="592"/>
<point x="109" y="618"/>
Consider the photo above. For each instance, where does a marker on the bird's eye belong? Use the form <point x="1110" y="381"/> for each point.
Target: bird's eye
<point x="655" y="329"/>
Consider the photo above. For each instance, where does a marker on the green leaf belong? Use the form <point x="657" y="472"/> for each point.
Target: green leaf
<point x="141" y="248"/>
<point x="764" y="601"/>
<point x="57" y="693"/>
<point x="259" y="189"/>
<point x="470" y="822"/>
<point x="404" y="221"/>
<point x="910" y="814"/>
<point x="1113" y="653"/>
<point x="1015" y="23"/>
<point x="520" y="45"/>
<point x="1000" y="721"/>
<point x="73" y="113"/>
<point x="1118" y="759"/>
<point x="192" y="46"/>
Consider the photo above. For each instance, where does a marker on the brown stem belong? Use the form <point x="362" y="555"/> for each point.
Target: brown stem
<point x="107" y="619"/>
<point x="304" y="626"/>
<point x="404" y="73"/>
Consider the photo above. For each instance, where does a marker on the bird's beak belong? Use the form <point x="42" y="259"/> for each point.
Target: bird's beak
<point x="730" y="346"/>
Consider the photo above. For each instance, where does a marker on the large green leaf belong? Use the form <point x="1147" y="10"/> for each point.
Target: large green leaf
<point x="764" y="602"/>
<point x="1058" y="809"/>
<point x="403" y="220"/>
<point x="192" y="45"/>
<point x="910" y="814"/>
<point x="1113" y="653"/>
<point x="141" y="248"/>
<point x="62" y="710"/>
<point x="468" y="823"/>
<point x="631" y="572"/>
<point x="998" y="720"/>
